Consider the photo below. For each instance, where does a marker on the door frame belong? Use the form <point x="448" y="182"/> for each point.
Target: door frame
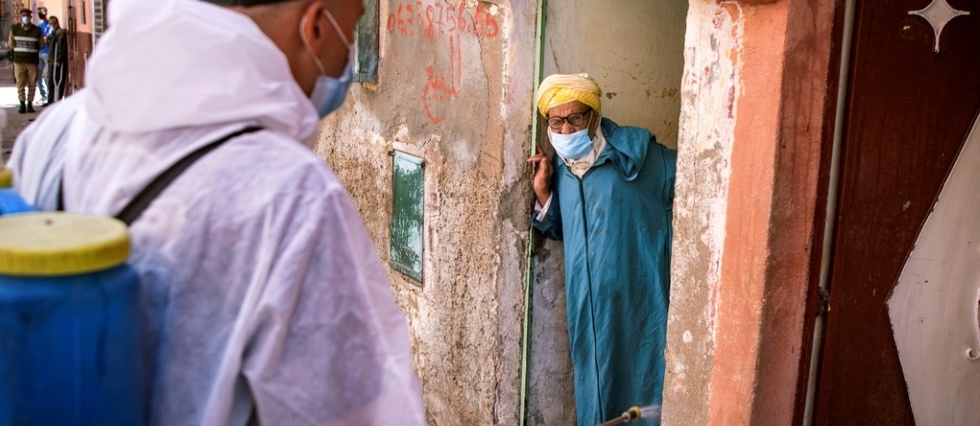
<point x="825" y="212"/>
<point x="832" y="189"/>
<point x="738" y="335"/>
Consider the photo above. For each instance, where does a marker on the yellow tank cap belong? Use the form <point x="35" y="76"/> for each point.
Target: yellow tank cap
<point x="60" y="244"/>
<point x="6" y="178"/>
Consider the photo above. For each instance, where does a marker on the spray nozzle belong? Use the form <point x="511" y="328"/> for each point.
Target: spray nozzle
<point x="632" y="414"/>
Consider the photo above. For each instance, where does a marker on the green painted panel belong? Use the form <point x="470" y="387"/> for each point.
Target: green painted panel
<point x="407" y="219"/>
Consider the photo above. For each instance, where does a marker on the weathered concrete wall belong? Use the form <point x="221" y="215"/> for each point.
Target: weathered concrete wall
<point x="753" y="122"/>
<point x="455" y="88"/>
<point x="551" y="397"/>
<point x="634" y="50"/>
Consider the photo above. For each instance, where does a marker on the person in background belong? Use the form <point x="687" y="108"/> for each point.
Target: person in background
<point x="26" y="39"/>
<point x="57" y="60"/>
<point x="263" y="298"/>
<point x="608" y="194"/>
<point x="42" y="63"/>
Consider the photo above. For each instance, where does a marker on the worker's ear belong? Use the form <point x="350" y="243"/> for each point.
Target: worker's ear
<point x="312" y="25"/>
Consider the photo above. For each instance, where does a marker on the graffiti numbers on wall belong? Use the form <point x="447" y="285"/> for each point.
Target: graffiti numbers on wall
<point x="436" y="19"/>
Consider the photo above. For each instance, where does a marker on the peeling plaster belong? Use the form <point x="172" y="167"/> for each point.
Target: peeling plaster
<point x="460" y="101"/>
<point x="745" y="208"/>
<point x="712" y="77"/>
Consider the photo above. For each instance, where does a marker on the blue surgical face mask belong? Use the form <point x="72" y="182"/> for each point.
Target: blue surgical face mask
<point x="329" y="92"/>
<point x="572" y="146"/>
<point x="25" y="20"/>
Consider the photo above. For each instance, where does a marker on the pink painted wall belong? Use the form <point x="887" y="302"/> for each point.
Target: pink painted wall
<point x="752" y="124"/>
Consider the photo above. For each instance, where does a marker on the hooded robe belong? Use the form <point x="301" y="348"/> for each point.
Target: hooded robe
<point x="616" y="226"/>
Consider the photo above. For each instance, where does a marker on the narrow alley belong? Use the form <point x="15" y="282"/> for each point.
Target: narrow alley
<point x="15" y="122"/>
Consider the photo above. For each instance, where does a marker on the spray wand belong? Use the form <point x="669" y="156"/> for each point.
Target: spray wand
<point x="632" y="414"/>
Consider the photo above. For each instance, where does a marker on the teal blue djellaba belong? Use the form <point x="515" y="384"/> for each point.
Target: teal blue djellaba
<point x="616" y="226"/>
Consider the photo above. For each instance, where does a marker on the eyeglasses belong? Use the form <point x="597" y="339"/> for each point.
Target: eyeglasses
<point x="574" y="119"/>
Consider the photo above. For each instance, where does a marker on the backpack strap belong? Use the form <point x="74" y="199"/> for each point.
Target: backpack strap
<point x="141" y="201"/>
<point x="61" y="193"/>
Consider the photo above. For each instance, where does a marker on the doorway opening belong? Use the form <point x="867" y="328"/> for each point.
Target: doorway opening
<point x="635" y="52"/>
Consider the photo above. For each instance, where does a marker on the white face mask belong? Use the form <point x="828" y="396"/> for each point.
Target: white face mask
<point x="25" y="20"/>
<point x="329" y="92"/>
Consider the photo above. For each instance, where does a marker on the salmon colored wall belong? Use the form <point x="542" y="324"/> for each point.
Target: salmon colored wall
<point x="772" y="203"/>
<point x="57" y="8"/>
<point x="78" y="59"/>
<point x="742" y="286"/>
<point x="81" y="47"/>
<point x="754" y="96"/>
<point x="86" y="26"/>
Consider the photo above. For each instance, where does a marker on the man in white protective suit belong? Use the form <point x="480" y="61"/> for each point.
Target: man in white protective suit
<point x="263" y="298"/>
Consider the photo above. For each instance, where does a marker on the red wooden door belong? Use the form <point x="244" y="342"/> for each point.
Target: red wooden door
<point x="909" y="110"/>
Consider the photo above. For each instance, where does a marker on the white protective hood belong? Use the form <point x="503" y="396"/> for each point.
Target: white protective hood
<point x="132" y="86"/>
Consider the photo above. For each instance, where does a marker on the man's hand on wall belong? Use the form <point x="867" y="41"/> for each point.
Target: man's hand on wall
<point x="542" y="176"/>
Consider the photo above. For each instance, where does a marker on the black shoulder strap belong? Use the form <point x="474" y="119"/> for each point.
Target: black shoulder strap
<point x="141" y="201"/>
<point x="61" y="193"/>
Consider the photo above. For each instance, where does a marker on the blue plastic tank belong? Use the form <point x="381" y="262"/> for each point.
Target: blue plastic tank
<point x="11" y="202"/>
<point x="69" y="322"/>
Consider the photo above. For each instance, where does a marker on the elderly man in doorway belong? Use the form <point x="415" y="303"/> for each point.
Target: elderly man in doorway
<point x="608" y="193"/>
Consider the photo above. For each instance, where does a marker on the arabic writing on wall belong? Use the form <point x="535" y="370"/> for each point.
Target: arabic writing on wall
<point x="437" y="19"/>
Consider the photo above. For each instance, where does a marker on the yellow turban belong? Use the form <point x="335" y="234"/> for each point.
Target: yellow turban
<point x="560" y="89"/>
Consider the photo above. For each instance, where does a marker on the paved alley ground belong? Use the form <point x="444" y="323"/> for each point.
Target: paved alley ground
<point x="8" y="103"/>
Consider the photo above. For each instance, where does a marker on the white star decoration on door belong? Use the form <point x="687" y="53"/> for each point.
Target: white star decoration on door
<point x="938" y="13"/>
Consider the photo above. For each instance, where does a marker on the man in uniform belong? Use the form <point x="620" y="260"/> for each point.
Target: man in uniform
<point x="26" y="39"/>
